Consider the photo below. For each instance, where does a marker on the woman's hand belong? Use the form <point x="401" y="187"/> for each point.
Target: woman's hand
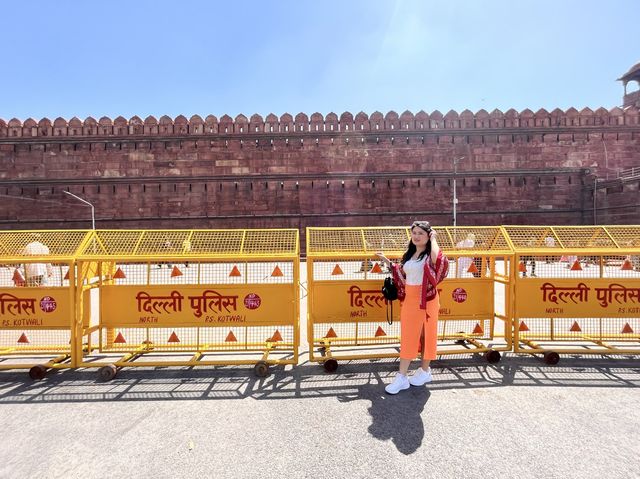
<point x="435" y="248"/>
<point x="384" y="259"/>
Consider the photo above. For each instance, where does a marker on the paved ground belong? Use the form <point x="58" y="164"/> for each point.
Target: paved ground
<point x="519" y="417"/>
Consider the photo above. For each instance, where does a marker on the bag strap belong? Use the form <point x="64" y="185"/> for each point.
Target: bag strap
<point x="390" y="319"/>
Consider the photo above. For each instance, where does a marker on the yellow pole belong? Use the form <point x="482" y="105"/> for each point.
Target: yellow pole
<point x="75" y="288"/>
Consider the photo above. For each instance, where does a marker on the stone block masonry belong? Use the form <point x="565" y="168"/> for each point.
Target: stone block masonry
<point x="512" y="168"/>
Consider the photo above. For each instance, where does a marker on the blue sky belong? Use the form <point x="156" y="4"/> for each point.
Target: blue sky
<point x="79" y="58"/>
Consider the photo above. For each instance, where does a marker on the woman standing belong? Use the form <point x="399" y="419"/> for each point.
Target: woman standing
<point x="423" y="266"/>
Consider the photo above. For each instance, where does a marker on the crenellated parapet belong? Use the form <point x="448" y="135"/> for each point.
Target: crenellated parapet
<point x="346" y="123"/>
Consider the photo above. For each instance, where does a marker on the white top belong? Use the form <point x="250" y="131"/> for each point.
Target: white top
<point x="35" y="248"/>
<point x="464" y="262"/>
<point x="466" y="243"/>
<point x="414" y="270"/>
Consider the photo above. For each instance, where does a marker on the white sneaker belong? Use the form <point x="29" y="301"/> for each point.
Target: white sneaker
<point x="400" y="383"/>
<point x="421" y="377"/>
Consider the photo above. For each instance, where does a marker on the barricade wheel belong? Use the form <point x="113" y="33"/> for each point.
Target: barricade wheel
<point x="108" y="372"/>
<point x="322" y="350"/>
<point x="330" y="365"/>
<point x="551" y="357"/>
<point x="492" y="356"/>
<point x="261" y="369"/>
<point x="461" y="342"/>
<point x="37" y="372"/>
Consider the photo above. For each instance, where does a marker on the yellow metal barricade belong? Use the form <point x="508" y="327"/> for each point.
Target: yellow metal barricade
<point x="38" y="300"/>
<point x="347" y="314"/>
<point x="217" y="296"/>
<point x="577" y="290"/>
<point x="475" y="299"/>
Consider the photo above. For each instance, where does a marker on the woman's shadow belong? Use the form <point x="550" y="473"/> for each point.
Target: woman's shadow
<point x="397" y="417"/>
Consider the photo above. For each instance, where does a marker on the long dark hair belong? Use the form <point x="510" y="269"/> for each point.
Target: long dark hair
<point x="411" y="248"/>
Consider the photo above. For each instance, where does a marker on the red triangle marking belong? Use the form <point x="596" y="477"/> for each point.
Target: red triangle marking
<point x="376" y="269"/>
<point x="478" y="329"/>
<point x="173" y="338"/>
<point x="66" y="276"/>
<point x="627" y="266"/>
<point x="380" y="332"/>
<point x="231" y="338"/>
<point x="23" y="339"/>
<point x="119" y="339"/>
<point x="576" y="266"/>
<point x="575" y="327"/>
<point x="523" y="326"/>
<point x="277" y="272"/>
<point x="276" y="336"/>
<point x="119" y="274"/>
<point x="235" y="272"/>
<point x="331" y="334"/>
<point x="627" y="329"/>
<point x="564" y="259"/>
<point x="337" y="270"/>
<point x="473" y="268"/>
<point x="175" y="272"/>
<point x="522" y="267"/>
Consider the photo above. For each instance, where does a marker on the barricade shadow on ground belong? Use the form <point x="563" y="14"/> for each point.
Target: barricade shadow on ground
<point x="395" y="418"/>
<point x="309" y="380"/>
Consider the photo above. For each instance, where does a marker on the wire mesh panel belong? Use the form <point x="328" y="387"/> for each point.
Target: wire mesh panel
<point x="195" y="339"/>
<point x="199" y="291"/>
<point x="577" y="289"/>
<point x="191" y="243"/>
<point x="625" y="236"/>
<point x="26" y="339"/>
<point x="475" y="298"/>
<point x="37" y="300"/>
<point x="346" y="307"/>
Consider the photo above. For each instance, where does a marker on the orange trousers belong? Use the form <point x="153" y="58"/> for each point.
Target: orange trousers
<point x="416" y="322"/>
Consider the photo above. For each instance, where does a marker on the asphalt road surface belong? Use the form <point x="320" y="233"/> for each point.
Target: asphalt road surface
<point x="518" y="417"/>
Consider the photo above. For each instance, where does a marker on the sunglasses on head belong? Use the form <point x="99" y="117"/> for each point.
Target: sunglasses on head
<point x="422" y="225"/>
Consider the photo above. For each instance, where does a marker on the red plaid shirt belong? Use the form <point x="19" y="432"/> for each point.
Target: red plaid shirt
<point x="433" y="275"/>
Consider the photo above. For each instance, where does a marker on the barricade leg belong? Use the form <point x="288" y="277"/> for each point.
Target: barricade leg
<point x="329" y="363"/>
<point x="39" y="371"/>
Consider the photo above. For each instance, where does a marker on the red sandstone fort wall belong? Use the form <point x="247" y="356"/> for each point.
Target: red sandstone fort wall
<point x="515" y="168"/>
